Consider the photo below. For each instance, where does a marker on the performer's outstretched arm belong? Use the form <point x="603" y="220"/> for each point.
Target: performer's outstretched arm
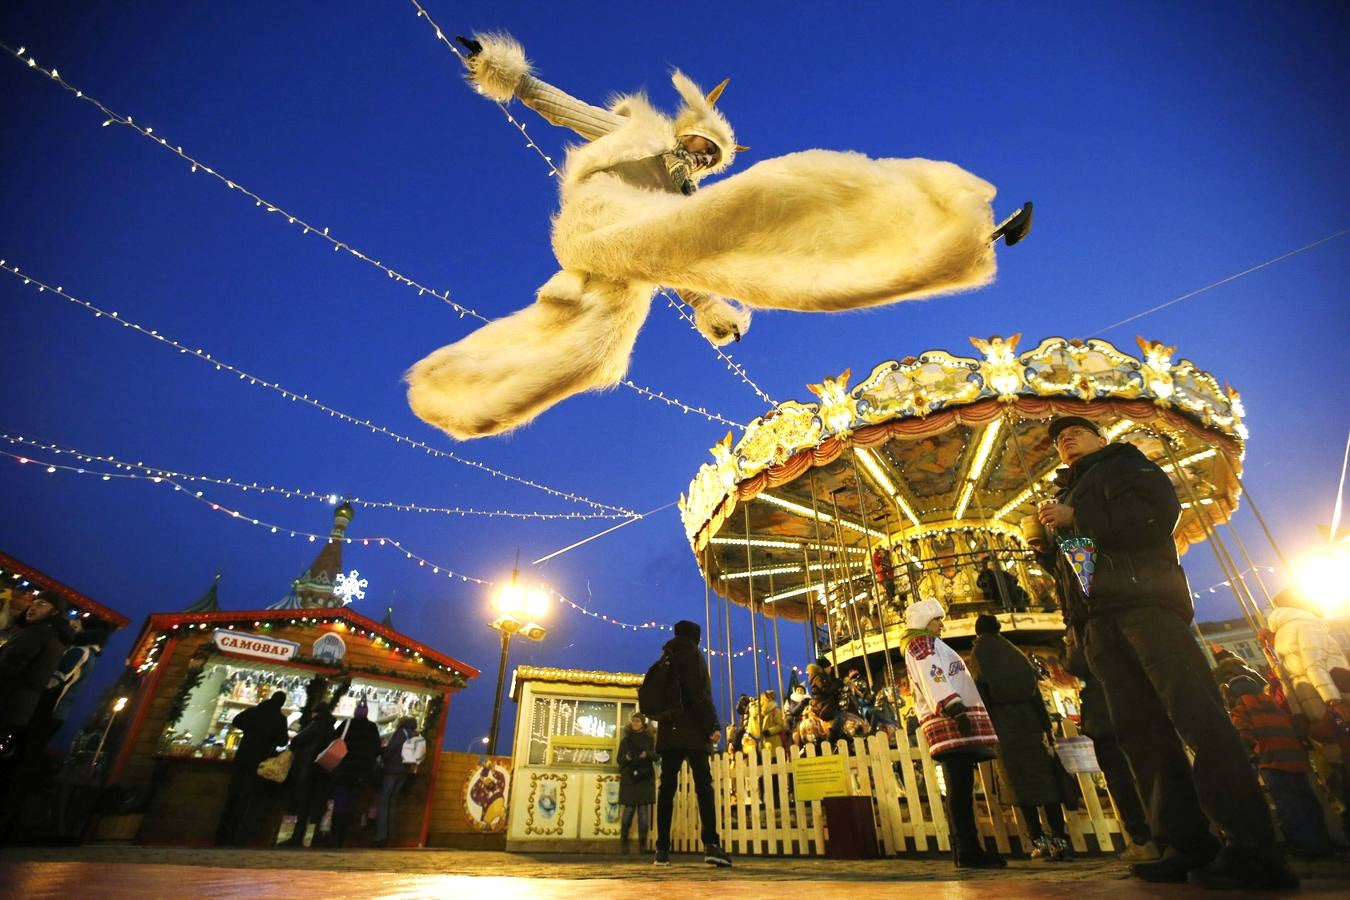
<point x="498" y="69"/>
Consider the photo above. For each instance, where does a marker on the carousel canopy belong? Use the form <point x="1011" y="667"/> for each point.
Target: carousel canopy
<point x="937" y="446"/>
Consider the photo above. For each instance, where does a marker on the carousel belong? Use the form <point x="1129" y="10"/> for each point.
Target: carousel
<point x="922" y="480"/>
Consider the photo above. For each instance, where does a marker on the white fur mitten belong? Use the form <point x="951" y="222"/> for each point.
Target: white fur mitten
<point x="720" y="320"/>
<point x="496" y="70"/>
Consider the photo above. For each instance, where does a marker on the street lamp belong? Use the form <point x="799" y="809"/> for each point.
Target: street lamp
<point x="476" y="742"/>
<point x="520" y="609"/>
<point x="120" y="705"/>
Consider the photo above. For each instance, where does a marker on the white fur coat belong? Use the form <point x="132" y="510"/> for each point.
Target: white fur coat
<point x="816" y="231"/>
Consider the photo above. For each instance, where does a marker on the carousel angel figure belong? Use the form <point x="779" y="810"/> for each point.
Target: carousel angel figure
<point x="814" y="231"/>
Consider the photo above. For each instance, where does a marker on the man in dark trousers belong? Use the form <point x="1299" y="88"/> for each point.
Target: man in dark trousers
<point x="685" y="735"/>
<point x="1157" y="683"/>
<point x="264" y="728"/>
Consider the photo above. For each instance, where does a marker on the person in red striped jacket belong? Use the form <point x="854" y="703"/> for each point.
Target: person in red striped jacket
<point x="1282" y="761"/>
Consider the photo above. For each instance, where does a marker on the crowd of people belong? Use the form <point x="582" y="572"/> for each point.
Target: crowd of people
<point x="347" y="767"/>
<point x="1185" y="752"/>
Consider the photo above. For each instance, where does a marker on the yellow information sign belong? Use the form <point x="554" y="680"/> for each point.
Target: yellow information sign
<point x="818" y="777"/>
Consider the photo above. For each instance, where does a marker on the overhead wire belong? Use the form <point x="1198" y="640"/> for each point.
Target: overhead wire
<point x="271" y="207"/>
<point x="296" y="396"/>
<point x="330" y="497"/>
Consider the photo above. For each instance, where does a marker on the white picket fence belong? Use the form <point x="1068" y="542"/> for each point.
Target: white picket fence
<point x="757" y="814"/>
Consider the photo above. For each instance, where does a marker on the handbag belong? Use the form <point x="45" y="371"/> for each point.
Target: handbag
<point x="641" y="771"/>
<point x="332" y="755"/>
<point x="276" y="768"/>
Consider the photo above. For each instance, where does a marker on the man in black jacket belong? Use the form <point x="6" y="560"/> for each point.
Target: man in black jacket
<point x="686" y="735"/>
<point x="27" y="662"/>
<point x="1156" y="679"/>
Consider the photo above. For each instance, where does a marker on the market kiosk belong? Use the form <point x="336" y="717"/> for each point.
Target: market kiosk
<point x="201" y="669"/>
<point x="194" y="671"/>
<point x="565" y="780"/>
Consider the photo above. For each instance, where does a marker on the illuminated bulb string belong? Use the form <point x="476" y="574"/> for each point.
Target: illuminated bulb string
<point x="380" y="540"/>
<point x="731" y="364"/>
<point x="435" y="568"/>
<point x="196" y="165"/>
<point x="324" y="496"/>
<point x="305" y="398"/>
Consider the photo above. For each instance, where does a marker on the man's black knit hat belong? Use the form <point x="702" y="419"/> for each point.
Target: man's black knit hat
<point x="686" y="629"/>
<point x="1064" y="422"/>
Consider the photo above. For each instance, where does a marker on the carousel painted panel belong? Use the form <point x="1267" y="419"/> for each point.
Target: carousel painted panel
<point x="545" y="805"/>
<point x="601" y="814"/>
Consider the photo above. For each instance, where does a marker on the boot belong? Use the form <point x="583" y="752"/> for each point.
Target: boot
<point x="1062" y="848"/>
<point x="1041" y="848"/>
<point x="1015" y="227"/>
<point x="1244" y="870"/>
<point x="970" y="854"/>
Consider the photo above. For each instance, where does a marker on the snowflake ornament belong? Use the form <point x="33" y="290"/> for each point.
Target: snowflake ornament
<point x="350" y="587"/>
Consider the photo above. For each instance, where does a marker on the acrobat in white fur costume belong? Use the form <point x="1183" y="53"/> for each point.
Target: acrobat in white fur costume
<point x="816" y="231"/>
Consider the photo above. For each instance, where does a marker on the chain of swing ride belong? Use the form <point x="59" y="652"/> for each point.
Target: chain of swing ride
<point x="836" y="580"/>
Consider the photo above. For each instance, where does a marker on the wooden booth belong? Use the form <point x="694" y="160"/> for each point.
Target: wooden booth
<point x="199" y="670"/>
<point x="21" y="584"/>
<point x="565" y="781"/>
<point x="195" y="670"/>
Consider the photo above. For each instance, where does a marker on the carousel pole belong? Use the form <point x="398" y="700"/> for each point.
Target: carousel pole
<point x="717" y="620"/>
<point x="812" y="647"/>
<point x="1215" y="542"/>
<point x="1256" y="511"/>
<point x="777" y="655"/>
<point x="731" y="676"/>
<point x="824" y="572"/>
<point x="848" y="582"/>
<point x="707" y="603"/>
<point x="750" y="590"/>
<point x="1251" y="566"/>
<point x="879" y="604"/>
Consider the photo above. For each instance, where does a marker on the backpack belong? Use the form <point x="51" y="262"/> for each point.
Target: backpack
<point x="414" y="750"/>
<point x="660" y="697"/>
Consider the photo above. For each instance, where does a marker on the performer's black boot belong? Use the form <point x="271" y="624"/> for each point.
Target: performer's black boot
<point x="1015" y="227"/>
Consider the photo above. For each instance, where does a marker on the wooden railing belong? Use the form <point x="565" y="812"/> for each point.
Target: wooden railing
<point x="757" y="813"/>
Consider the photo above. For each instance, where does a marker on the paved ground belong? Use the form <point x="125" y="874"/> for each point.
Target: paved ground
<point x="115" y="871"/>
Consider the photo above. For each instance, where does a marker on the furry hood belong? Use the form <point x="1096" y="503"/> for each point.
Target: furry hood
<point x="646" y="133"/>
<point x="699" y="116"/>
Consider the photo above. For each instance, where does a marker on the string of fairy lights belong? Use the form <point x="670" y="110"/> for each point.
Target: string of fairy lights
<point x="435" y="568"/>
<point x="731" y="364"/>
<point x="296" y="396"/>
<point x="270" y="207"/>
<point x="148" y="471"/>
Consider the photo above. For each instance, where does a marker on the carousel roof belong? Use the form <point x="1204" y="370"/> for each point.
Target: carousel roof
<point x="943" y="442"/>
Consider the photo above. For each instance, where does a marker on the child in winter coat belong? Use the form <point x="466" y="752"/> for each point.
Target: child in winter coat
<point x="1282" y="761"/>
<point x="954" y="722"/>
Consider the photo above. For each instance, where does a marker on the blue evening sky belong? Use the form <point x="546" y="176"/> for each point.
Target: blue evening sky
<point x="1165" y="145"/>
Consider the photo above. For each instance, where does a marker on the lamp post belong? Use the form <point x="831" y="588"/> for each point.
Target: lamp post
<point x="519" y="609"/>
<point x="476" y="742"/>
<point x="120" y="705"/>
